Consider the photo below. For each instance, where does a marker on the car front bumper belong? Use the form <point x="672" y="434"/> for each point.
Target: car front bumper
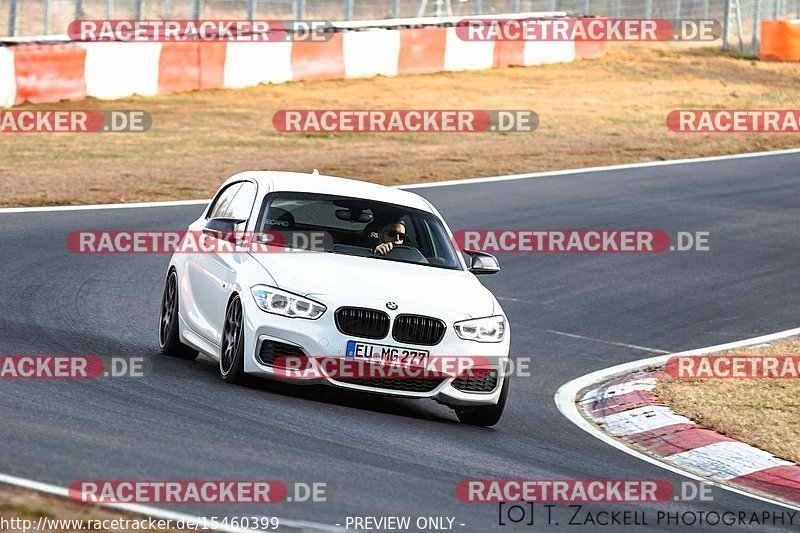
<point x="321" y="339"/>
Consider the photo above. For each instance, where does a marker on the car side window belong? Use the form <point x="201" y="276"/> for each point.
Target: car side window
<point x="224" y="200"/>
<point x="243" y="202"/>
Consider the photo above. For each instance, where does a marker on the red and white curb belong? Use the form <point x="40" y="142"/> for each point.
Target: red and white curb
<point x="617" y="405"/>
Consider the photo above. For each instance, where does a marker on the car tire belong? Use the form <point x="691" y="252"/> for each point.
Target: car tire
<point x="231" y="355"/>
<point x="169" y="339"/>
<point x="485" y="415"/>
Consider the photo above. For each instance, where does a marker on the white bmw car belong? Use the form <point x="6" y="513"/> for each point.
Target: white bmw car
<point x="383" y="284"/>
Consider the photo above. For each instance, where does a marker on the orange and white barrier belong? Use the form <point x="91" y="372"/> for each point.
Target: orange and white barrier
<point x="780" y="40"/>
<point x="72" y="71"/>
<point x="8" y="82"/>
<point x="49" y="73"/>
<point x="119" y="70"/>
<point x="374" y="52"/>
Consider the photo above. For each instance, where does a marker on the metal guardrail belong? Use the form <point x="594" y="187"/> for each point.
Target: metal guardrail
<point x="38" y="18"/>
<point x="342" y="26"/>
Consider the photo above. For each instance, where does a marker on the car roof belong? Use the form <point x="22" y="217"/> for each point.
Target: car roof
<point x="274" y="181"/>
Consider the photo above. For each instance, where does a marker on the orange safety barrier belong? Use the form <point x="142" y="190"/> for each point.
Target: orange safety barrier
<point x="178" y="68"/>
<point x="509" y="54"/>
<point x="422" y="50"/>
<point x="780" y="40"/>
<point x="322" y="60"/>
<point x="589" y="49"/>
<point x="212" y="65"/>
<point x="49" y="73"/>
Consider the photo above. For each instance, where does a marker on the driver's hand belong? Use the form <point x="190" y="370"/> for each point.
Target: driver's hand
<point x="384" y="248"/>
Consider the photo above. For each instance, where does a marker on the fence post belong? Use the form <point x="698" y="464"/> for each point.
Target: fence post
<point x="47" y="17"/>
<point x="12" y="18"/>
<point x="197" y="9"/>
<point x="706" y="9"/>
<point x="776" y="9"/>
<point x="648" y="9"/>
<point x="109" y="9"/>
<point x="78" y="9"/>
<point x="479" y="7"/>
<point x="395" y="9"/>
<point x="726" y="26"/>
<point x="552" y="5"/>
<point x="757" y="26"/>
<point x="587" y="6"/>
<point x="348" y="10"/>
<point x="516" y="7"/>
<point x="252" y="9"/>
<point x="677" y="9"/>
<point x="139" y="13"/>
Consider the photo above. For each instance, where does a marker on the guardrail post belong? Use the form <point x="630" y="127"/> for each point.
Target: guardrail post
<point x="251" y="9"/>
<point x="139" y="13"/>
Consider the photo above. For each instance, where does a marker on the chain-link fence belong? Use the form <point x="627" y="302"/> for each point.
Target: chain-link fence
<point x="47" y="17"/>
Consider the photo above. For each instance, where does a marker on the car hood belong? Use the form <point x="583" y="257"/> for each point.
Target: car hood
<point x="313" y="273"/>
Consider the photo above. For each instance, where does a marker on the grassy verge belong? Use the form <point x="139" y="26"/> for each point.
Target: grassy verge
<point x="601" y="112"/>
<point x="761" y="412"/>
<point x="18" y="505"/>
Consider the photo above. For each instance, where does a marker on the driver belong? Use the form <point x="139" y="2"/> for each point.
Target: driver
<point x="392" y="232"/>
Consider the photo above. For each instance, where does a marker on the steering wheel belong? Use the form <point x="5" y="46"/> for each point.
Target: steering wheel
<point x="406" y="252"/>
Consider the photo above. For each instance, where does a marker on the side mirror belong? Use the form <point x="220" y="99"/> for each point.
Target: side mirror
<point x="482" y="263"/>
<point x="222" y="228"/>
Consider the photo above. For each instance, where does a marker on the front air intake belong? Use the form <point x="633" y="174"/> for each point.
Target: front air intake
<point x="362" y="322"/>
<point x="418" y="329"/>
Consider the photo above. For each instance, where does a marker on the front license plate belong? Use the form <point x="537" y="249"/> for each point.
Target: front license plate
<point x="382" y="353"/>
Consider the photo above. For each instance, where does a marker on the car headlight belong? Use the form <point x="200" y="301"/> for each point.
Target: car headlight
<point x="286" y="304"/>
<point x="489" y="329"/>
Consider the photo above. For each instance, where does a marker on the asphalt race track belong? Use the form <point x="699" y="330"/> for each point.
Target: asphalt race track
<point x="389" y="456"/>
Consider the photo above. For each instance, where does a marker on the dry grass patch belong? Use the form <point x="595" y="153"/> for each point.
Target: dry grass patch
<point x="601" y="112"/>
<point x="24" y="504"/>
<point x="761" y="412"/>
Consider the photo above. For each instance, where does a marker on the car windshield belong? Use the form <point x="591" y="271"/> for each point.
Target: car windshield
<point x="354" y="226"/>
